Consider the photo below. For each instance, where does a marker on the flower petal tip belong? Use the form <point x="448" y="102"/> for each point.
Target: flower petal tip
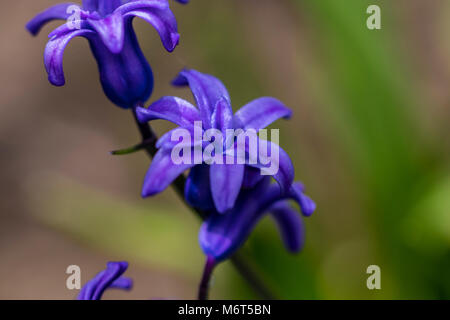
<point x="57" y="82"/>
<point x="148" y="193"/>
<point x="181" y="80"/>
<point x="175" y="40"/>
<point x="31" y="29"/>
<point x="289" y="114"/>
<point x="223" y="208"/>
<point x="309" y="206"/>
<point x="294" y="248"/>
<point x="122" y="264"/>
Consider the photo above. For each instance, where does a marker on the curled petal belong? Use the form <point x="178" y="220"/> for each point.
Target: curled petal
<point x="290" y="225"/>
<point x="162" y="172"/>
<point x="111" y="31"/>
<point x="222" y="234"/>
<point x="56" y="12"/>
<point x="260" y="113"/>
<point x="183" y="1"/>
<point x="295" y="192"/>
<point x="160" y="17"/>
<point x="285" y="174"/>
<point x="172" y="109"/>
<point x="122" y="283"/>
<point x="207" y="91"/>
<point x="109" y="278"/>
<point x="54" y="52"/>
<point x="65" y="29"/>
<point x="307" y="205"/>
<point x="226" y="181"/>
<point x="273" y="161"/>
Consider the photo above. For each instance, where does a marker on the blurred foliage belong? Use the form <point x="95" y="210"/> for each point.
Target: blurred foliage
<point x="152" y="236"/>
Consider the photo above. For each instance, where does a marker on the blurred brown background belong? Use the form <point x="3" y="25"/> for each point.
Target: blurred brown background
<point x="369" y="139"/>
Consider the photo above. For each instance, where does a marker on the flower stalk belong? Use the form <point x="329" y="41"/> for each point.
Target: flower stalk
<point x="205" y="284"/>
<point x="238" y="260"/>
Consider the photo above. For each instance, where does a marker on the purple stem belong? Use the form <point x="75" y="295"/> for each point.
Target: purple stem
<point x="203" y="290"/>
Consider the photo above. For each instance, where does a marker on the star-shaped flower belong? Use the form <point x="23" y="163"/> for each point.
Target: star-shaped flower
<point x="214" y="112"/>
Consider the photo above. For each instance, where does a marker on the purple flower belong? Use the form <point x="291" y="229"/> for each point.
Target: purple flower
<point x="106" y="279"/>
<point x="213" y="112"/>
<point x="125" y="74"/>
<point x="222" y="234"/>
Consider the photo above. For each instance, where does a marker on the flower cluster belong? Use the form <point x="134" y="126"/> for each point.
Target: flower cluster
<point x="214" y="111"/>
<point x="235" y="196"/>
<point x="231" y="195"/>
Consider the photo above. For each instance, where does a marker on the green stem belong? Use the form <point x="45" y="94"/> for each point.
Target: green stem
<point x="133" y="149"/>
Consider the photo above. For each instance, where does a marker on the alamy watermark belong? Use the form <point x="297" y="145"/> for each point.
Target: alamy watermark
<point x="74" y="19"/>
<point x="374" y="280"/>
<point x="374" y="20"/>
<point x="73" y="281"/>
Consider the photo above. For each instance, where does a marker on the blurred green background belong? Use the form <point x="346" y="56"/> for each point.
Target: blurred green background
<point x="369" y="138"/>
